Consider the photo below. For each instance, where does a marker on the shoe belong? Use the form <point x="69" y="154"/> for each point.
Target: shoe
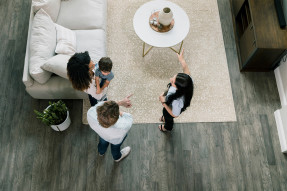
<point x="161" y="119"/>
<point x="161" y="128"/>
<point x="101" y="155"/>
<point x="125" y="151"/>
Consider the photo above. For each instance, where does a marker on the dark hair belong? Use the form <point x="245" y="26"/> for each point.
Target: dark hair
<point x="105" y="64"/>
<point x="108" y="113"/>
<point x="79" y="72"/>
<point x="184" y="85"/>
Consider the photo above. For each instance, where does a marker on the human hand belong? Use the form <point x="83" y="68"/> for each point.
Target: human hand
<point x="126" y="102"/>
<point x="121" y="113"/>
<point x="180" y="56"/>
<point x="162" y="98"/>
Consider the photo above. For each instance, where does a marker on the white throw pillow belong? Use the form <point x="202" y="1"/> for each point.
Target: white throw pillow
<point x="58" y="65"/>
<point x="66" y="41"/>
<point x="52" y="7"/>
<point x="42" y="45"/>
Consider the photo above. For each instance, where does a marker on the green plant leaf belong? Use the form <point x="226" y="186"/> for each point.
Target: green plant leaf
<point x="54" y="115"/>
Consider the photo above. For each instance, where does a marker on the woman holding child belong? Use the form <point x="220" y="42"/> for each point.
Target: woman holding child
<point x="90" y="78"/>
<point x="178" y="96"/>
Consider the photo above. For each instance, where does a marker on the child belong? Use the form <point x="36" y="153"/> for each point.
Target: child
<point x="103" y="76"/>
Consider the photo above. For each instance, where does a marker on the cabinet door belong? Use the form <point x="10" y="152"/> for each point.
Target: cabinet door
<point x="237" y="4"/>
<point x="247" y="44"/>
<point x="264" y="59"/>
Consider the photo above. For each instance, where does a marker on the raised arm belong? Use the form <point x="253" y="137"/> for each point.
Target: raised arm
<point x="183" y="63"/>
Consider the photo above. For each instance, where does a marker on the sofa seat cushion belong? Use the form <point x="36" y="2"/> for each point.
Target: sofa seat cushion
<point x="93" y="41"/>
<point x="83" y="14"/>
<point x="42" y="45"/>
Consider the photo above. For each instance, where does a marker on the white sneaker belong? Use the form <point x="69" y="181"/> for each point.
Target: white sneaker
<point x="101" y="155"/>
<point x="125" y="151"/>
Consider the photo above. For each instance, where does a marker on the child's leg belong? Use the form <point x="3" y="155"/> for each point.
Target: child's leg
<point x="104" y="98"/>
<point x="102" y="82"/>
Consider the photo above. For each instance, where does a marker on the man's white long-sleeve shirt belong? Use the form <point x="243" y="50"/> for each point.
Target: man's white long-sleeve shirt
<point x="114" y="134"/>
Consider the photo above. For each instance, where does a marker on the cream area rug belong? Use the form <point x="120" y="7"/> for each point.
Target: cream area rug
<point x="146" y="77"/>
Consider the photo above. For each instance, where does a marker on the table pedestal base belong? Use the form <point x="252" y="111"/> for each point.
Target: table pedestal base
<point x="145" y="53"/>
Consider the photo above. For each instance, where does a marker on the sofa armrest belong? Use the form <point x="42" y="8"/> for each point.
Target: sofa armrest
<point x="27" y="79"/>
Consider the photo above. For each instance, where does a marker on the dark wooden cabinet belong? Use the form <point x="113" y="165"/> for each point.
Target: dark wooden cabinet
<point x="260" y="41"/>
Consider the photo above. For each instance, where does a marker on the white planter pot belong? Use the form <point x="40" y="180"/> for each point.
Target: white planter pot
<point x="165" y="16"/>
<point x="63" y="126"/>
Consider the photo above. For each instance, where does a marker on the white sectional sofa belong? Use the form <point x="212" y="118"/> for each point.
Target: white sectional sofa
<point x="87" y="18"/>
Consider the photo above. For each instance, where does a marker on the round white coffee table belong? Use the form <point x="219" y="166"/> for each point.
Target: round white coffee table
<point x="157" y="39"/>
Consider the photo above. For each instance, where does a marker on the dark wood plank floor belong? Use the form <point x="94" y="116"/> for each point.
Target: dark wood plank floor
<point x="244" y="155"/>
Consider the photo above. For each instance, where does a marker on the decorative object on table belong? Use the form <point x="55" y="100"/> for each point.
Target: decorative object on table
<point x="55" y="115"/>
<point x="165" y="16"/>
<point x="157" y="26"/>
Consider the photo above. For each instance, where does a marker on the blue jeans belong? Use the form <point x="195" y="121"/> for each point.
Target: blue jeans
<point x="94" y="101"/>
<point x="102" y="82"/>
<point x="115" y="149"/>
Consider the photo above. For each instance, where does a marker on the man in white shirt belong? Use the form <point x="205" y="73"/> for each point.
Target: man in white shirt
<point x="112" y="126"/>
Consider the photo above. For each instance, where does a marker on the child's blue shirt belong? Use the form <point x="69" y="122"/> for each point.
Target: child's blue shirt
<point x="99" y="74"/>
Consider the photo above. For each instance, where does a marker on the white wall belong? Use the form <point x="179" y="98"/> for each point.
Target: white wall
<point x="285" y="9"/>
<point x="281" y="79"/>
<point x="281" y="122"/>
<point x="281" y="114"/>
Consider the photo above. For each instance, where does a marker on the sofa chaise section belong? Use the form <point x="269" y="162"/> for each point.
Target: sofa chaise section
<point x="90" y="30"/>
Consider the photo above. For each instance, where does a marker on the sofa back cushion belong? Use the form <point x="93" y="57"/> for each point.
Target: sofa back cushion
<point x="66" y="41"/>
<point x="51" y="7"/>
<point x="42" y="45"/>
<point x="93" y="41"/>
<point x="83" y="14"/>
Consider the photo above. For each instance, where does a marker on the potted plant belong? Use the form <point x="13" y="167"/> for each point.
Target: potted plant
<point x="55" y="115"/>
